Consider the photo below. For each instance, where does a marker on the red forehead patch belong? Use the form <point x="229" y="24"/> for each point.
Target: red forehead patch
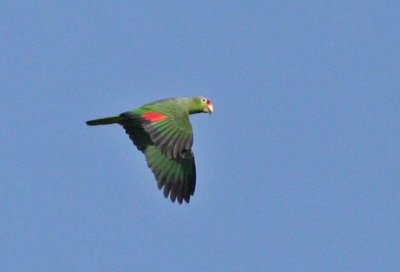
<point x="153" y="116"/>
<point x="209" y="102"/>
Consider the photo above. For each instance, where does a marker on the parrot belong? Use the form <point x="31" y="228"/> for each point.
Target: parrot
<point x="162" y="131"/>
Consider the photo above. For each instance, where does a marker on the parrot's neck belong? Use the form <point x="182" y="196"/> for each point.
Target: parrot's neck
<point x="191" y="105"/>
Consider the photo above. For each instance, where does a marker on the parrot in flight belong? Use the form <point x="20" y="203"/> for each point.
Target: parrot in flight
<point x="161" y="130"/>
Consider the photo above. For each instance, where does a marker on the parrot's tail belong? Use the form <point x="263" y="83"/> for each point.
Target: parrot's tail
<point x="105" y="121"/>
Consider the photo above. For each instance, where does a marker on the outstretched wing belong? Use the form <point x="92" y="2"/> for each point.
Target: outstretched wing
<point x="177" y="176"/>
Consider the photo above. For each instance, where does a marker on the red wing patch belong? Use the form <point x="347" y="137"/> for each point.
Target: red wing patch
<point x="153" y="116"/>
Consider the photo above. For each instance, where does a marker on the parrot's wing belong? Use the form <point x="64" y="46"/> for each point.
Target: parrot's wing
<point x="177" y="176"/>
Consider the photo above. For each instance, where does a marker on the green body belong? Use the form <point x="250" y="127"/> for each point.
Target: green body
<point x="162" y="131"/>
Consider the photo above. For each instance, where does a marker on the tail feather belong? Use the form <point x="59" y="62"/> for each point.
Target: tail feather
<point x="105" y="121"/>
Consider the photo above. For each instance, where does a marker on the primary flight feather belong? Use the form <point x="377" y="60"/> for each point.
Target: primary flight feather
<point x="162" y="131"/>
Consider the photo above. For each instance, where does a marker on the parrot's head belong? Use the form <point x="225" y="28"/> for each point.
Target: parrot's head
<point x="200" y="104"/>
<point x="206" y="105"/>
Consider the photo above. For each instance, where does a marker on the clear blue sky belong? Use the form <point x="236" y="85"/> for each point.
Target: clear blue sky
<point x="298" y="169"/>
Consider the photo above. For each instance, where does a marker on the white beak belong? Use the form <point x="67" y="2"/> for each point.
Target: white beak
<point x="210" y="108"/>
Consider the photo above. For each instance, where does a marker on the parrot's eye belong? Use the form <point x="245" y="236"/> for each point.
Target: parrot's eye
<point x="203" y="100"/>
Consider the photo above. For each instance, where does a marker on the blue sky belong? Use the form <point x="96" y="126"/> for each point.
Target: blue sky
<point x="298" y="168"/>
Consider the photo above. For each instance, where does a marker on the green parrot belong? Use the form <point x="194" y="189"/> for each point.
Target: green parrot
<point x="162" y="132"/>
